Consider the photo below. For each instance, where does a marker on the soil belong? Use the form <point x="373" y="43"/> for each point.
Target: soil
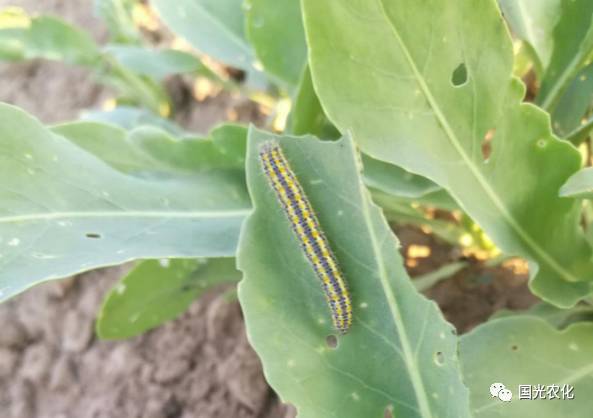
<point x="200" y="365"/>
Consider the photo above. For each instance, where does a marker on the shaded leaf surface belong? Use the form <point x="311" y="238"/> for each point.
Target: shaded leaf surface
<point x="156" y="291"/>
<point x="398" y="100"/>
<point x="573" y="45"/>
<point x="410" y="363"/>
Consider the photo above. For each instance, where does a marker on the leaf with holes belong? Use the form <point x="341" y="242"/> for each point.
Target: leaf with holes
<point x="411" y="364"/>
<point x="156" y="291"/>
<point x="65" y="211"/>
<point x="529" y="351"/>
<point x="405" y="100"/>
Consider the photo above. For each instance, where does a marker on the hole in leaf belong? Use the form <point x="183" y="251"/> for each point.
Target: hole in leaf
<point x="487" y="144"/>
<point x="331" y="341"/>
<point x="459" y="76"/>
<point x="439" y="358"/>
<point x="93" y="235"/>
<point x="388" y="412"/>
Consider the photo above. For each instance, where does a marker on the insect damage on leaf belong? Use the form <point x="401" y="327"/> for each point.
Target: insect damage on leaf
<point x="304" y="222"/>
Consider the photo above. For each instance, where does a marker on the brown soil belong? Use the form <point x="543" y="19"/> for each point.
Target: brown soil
<point x="200" y="365"/>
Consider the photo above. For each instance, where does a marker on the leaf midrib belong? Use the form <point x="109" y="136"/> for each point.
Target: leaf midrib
<point x="407" y="351"/>
<point x="508" y="217"/>
<point x="121" y="214"/>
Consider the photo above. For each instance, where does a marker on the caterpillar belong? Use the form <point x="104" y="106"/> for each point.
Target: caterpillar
<point x="305" y="225"/>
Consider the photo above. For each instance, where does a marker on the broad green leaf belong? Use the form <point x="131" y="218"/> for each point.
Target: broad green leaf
<point x="558" y="318"/>
<point x="128" y="117"/>
<point x="398" y="101"/>
<point x="580" y="185"/>
<point x="109" y="143"/>
<point x="573" y="46"/>
<point x="224" y="151"/>
<point x="44" y="37"/>
<point x="528" y="351"/>
<point x="156" y="291"/>
<point x="214" y="27"/>
<point x="534" y="21"/>
<point x="63" y="210"/>
<point x="275" y="29"/>
<point x="308" y="117"/>
<point x="410" y="365"/>
<point x="157" y="64"/>
<point x="147" y="150"/>
<point x="117" y="14"/>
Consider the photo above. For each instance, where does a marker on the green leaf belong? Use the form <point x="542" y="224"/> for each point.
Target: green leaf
<point x="275" y="29"/>
<point x="394" y="180"/>
<point x="398" y="101"/>
<point x="558" y="318"/>
<point x="573" y="105"/>
<point x="411" y="364"/>
<point x="213" y="27"/>
<point x="307" y="115"/>
<point x="46" y="37"/>
<point x="533" y="21"/>
<point x="580" y="185"/>
<point x="117" y="14"/>
<point x="156" y="291"/>
<point x="63" y="210"/>
<point x="157" y="64"/>
<point x="128" y="117"/>
<point x="528" y="351"/>
<point x="573" y="45"/>
<point x="147" y="149"/>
